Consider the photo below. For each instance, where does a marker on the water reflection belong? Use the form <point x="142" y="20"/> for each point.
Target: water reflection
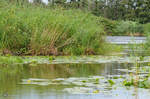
<point x="11" y="76"/>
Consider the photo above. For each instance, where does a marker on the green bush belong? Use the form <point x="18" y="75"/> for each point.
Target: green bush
<point x="146" y="46"/>
<point x="121" y="27"/>
<point x="147" y="28"/>
<point x="147" y="33"/>
<point x="109" y="25"/>
<point x="128" y="28"/>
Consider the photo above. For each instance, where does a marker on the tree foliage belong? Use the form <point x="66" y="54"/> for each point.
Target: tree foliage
<point x="132" y="10"/>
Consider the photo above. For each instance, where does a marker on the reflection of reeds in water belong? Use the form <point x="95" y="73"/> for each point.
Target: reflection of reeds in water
<point x="51" y="71"/>
<point x="10" y="75"/>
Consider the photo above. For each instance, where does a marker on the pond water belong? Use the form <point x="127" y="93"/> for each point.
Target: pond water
<point x="92" y="77"/>
<point x="125" y="39"/>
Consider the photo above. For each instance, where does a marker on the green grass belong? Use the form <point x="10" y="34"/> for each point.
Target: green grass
<point x="43" y="31"/>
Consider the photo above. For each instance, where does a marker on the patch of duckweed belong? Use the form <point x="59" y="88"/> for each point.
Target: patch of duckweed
<point x="141" y="83"/>
<point x="11" y="60"/>
<point x="127" y="83"/>
<point x="74" y="85"/>
<point x="33" y="60"/>
<point x="111" y="82"/>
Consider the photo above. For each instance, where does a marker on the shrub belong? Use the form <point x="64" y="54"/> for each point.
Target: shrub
<point x="147" y="28"/>
<point x="128" y="28"/>
<point x="147" y="44"/>
<point x="109" y="25"/>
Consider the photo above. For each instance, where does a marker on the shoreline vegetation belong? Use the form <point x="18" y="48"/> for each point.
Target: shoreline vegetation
<point x="62" y="50"/>
<point x="41" y="31"/>
<point x="35" y="29"/>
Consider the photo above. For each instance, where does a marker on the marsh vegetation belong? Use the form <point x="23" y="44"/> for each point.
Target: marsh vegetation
<point x="61" y="50"/>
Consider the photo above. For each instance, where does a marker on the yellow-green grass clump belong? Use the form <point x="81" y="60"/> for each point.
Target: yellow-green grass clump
<point x="35" y="30"/>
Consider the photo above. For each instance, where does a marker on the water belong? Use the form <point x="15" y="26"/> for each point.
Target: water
<point x="125" y="40"/>
<point x="76" y="80"/>
<point x="82" y="77"/>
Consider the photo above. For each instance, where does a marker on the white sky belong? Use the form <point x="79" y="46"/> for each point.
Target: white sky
<point x="31" y="1"/>
<point x="44" y="1"/>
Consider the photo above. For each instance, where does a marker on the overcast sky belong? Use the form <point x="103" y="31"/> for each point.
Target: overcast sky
<point x="44" y="1"/>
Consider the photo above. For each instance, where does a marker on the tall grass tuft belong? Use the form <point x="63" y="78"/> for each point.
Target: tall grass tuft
<point x="42" y="31"/>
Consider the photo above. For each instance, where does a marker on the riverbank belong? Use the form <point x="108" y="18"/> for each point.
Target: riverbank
<point x="33" y="30"/>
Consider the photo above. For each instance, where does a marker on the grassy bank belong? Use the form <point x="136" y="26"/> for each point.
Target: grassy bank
<point x="32" y="30"/>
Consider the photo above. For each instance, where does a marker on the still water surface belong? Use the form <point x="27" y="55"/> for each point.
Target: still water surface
<point x="77" y="80"/>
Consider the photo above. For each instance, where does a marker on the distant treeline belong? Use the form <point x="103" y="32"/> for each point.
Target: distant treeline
<point x="133" y="10"/>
